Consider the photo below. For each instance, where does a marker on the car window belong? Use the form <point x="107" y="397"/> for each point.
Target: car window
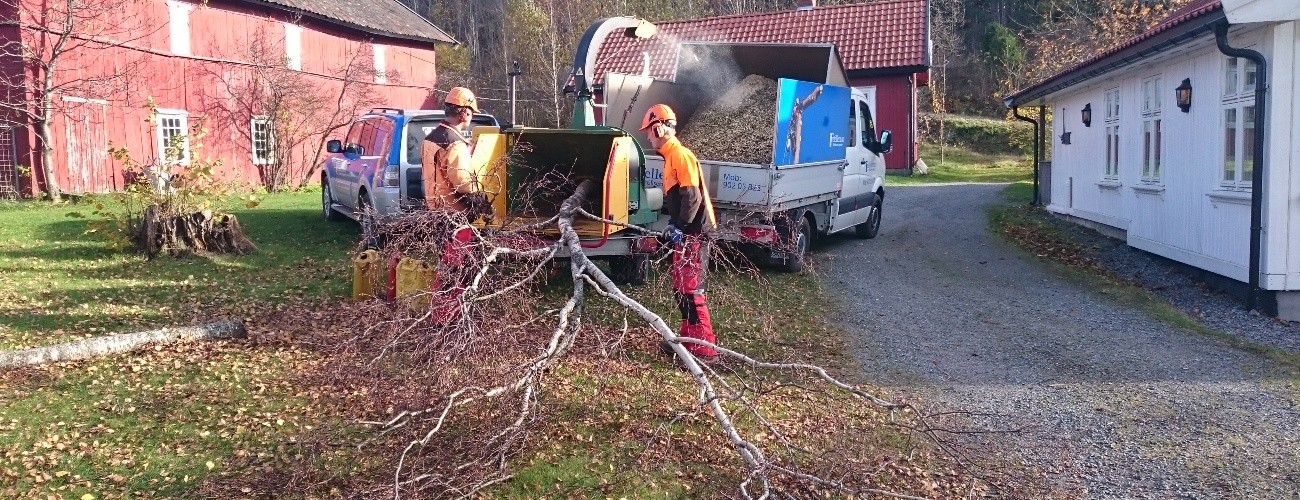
<point x="353" y="141"/>
<point x="417" y="129"/>
<point x="376" y="135"/>
<point x="869" y="131"/>
<point x="853" y="125"/>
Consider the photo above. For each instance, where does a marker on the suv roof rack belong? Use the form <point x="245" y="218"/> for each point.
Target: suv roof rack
<point x="386" y="110"/>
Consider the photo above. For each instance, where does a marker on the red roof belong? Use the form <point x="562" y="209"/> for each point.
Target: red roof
<point x="877" y="35"/>
<point x="1179" y="18"/>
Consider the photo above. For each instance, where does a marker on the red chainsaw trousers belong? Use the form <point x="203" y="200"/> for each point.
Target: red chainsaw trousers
<point x="451" y="278"/>
<point x="688" y="288"/>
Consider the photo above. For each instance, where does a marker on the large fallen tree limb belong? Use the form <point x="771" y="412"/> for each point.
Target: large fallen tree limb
<point x="123" y="342"/>
<point x="524" y="383"/>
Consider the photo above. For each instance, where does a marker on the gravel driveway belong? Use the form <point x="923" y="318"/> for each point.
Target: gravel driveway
<point x="1106" y="401"/>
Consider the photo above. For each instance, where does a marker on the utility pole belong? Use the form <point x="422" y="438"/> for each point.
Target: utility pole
<point x="514" y="75"/>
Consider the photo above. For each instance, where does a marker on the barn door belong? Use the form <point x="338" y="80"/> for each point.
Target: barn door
<point x="89" y="170"/>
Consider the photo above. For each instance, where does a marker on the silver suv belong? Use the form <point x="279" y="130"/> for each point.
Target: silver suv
<point x="377" y="165"/>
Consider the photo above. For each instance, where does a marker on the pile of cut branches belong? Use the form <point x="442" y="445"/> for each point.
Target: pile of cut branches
<point x="454" y="396"/>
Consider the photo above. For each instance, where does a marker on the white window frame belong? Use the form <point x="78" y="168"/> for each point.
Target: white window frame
<point x="1152" y="132"/>
<point x="182" y="126"/>
<point x="381" y="65"/>
<point x="1112" y="105"/>
<point x="1111" y="118"/>
<point x="264" y="156"/>
<point x="1242" y="149"/>
<point x="293" y="46"/>
<point x="1239" y="77"/>
<point x="178" y="26"/>
<point x="1238" y="96"/>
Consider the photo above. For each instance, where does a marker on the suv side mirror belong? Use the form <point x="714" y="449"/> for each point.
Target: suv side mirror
<point x="886" y="142"/>
<point x="334" y="146"/>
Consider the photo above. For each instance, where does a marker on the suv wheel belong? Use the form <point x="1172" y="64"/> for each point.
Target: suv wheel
<point x="327" y="202"/>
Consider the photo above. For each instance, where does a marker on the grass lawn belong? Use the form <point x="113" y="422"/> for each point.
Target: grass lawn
<point x="964" y="165"/>
<point x="152" y="423"/>
<point x="166" y="421"/>
<point x="62" y="284"/>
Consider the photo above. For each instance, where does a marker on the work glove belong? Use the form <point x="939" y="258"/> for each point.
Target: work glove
<point x="672" y="236"/>
<point x="476" y="205"/>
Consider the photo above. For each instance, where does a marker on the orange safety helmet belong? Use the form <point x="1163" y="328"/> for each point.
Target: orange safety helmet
<point x="659" y="113"/>
<point x="461" y="96"/>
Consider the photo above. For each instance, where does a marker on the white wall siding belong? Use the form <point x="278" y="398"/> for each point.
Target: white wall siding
<point x="1187" y="214"/>
<point x="1281" y="265"/>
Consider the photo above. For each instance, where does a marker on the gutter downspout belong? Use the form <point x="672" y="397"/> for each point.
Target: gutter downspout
<point x="1257" y="174"/>
<point x="1015" y="111"/>
<point x="1042" y="147"/>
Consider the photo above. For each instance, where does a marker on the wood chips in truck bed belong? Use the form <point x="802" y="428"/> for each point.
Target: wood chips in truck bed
<point x="737" y="127"/>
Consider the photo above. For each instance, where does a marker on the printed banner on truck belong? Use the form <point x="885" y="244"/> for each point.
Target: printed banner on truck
<point x="812" y="122"/>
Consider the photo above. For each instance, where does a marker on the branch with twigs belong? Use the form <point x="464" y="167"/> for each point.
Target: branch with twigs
<point x="494" y="368"/>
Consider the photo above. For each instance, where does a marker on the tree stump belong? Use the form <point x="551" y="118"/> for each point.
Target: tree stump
<point x="203" y="231"/>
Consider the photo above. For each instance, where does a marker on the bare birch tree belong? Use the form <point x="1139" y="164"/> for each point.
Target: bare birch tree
<point x="946" y="20"/>
<point x="60" y="49"/>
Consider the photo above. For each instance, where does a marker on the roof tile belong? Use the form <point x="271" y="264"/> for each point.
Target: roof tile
<point x="874" y="35"/>
<point x="388" y="18"/>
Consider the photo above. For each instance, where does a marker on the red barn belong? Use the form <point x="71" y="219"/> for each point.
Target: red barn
<point x="257" y="84"/>
<point x="884" y="47"/>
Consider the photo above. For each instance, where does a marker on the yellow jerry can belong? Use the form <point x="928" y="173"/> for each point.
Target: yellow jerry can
<point x="365" y="275"/>
<point x="413" y="279"/>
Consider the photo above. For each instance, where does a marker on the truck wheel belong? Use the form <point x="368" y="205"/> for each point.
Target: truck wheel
<point x="327" y="202"/>
<point x="629" y="269"/>
<point x="871" y="227"/>
<point x="797" y="250"/>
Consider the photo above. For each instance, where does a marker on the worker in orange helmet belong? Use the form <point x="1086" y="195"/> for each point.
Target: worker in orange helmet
<point x="690" y="213"/>
<point x="449" y="180"/>
<point x="451" y="184"/>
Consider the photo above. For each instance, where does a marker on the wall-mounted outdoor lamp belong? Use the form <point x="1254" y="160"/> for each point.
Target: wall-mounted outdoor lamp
<point x="1087" y="115"/>
<point x="1184" y="94"/>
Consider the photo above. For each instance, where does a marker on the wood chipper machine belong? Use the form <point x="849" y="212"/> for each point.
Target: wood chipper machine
<point x="528" y="172"/>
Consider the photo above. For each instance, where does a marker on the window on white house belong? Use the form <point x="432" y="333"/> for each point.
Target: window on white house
<point x="1112" y="152"/>
<point x="1151" y="145"/>
<point x="178" y="23"/>
<point x="1238" y="122"/>
<point x="1238" y="77"/>
<point x="1238" y="146"/>
<point x="381" y="68"/>
<point x="1112" y="104"/>
<point x="1151" y="137"/>
<point x="1112" y="134"/>
<point x="263" y="140"/>
<point x="173" y="135"/>
<point x="293" y="46"/>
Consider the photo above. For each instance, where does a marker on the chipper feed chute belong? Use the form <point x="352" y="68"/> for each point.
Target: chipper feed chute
<point x="528" y="173"/>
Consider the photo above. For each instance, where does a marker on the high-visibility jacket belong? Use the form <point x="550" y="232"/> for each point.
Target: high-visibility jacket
<point x="686" y="197"/>
<point x="444" y="159"/>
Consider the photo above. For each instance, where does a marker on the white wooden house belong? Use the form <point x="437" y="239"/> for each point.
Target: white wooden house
<point x="1178" y="182"/>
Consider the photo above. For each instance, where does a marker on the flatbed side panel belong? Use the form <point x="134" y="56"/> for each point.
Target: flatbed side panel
<point x="762" y="188"/>
<point x="810" y="180"/>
